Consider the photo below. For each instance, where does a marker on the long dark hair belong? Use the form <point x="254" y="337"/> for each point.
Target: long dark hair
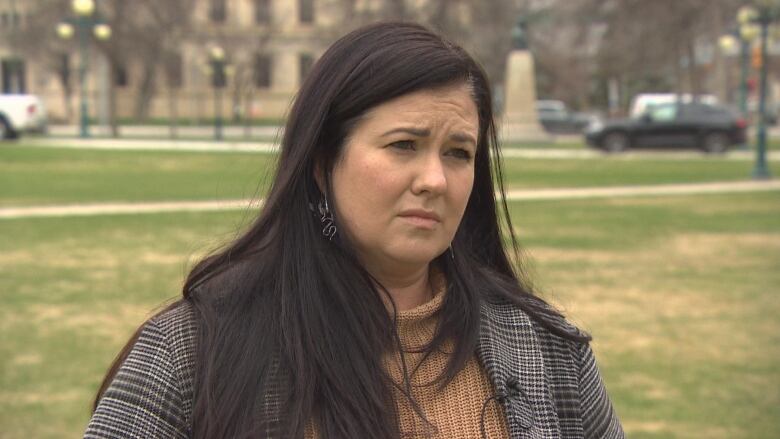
<point x="291" y="328"/>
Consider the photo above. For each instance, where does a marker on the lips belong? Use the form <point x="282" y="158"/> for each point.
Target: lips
<point x="426" y="214"/>
<point x="421" y="215"/>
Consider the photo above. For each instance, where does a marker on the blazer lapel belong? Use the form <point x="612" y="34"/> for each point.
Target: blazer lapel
<point x="510" y="353"/>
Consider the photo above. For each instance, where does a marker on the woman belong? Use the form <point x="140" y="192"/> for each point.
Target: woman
<point x="373" y="297"/>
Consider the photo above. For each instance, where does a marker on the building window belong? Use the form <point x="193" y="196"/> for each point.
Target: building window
<point x="10" y="19"/>
<point x="306" y="11"/>
<point x="12" y="70"/>
<point x="121" y="78"/>
<point x="262" y="71"/>
<point x="262" y="11"/>
<point x="305" y="61"/>
<point x="217" y="11"/>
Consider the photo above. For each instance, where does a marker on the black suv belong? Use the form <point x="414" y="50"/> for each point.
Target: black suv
<point x="712" y="128"/>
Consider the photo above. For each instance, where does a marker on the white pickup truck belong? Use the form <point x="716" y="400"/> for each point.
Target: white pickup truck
<point x="21" y="113"/>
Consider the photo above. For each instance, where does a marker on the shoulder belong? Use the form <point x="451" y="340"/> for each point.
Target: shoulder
<point x="177" y="325"/>
<point x="581" y="400"/>
<point x="530" y="324"/>
<point x="176" y="329"/>
<point x="151" y="393"/>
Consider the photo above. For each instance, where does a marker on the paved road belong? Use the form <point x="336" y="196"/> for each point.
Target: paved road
<point x="513" y="195"/>
<point x="265" y="147"/>
<point x="162" y="131"/>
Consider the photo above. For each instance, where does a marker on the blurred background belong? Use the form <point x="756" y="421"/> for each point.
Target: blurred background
<point x="640" y="146"/>
<point x="148" y="62"/>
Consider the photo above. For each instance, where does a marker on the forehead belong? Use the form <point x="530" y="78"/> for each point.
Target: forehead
<point x="450" y="107"/>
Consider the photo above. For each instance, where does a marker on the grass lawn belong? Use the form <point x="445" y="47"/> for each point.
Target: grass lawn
<point x="680" y="293"/>
<point x="569" y="142"/>
<point x="681" y="297"/>
<point x="31" y="176"/>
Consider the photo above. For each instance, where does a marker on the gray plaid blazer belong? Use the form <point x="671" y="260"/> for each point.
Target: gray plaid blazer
<point x="549" y="387"/>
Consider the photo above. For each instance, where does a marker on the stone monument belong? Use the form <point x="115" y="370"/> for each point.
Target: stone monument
<point x="520" y="121"/>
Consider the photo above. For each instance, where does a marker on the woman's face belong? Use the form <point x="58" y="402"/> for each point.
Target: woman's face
<point x="404" y="177"/>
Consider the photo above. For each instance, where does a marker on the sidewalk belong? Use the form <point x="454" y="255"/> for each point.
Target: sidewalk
<point x="266" y="147"/>
<point x="186" y="130"/>
<point x="512" y="195"/>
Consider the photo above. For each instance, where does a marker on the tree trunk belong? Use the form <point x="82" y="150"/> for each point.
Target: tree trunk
<point x="112" y="119"/>
<point x="173" y="112"/>
<point x="146" y="90"/>
<point x="248" y="116"/>
<point x="693" y="76"/>
<point x="67" y="101"/>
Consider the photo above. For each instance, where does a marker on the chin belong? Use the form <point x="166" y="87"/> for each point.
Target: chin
<point x="417" y="255"/>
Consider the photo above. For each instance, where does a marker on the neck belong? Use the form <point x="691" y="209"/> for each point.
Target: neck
<point x="408" y="289"/>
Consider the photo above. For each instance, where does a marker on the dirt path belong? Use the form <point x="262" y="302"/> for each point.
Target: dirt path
<point x="513" y="195"/>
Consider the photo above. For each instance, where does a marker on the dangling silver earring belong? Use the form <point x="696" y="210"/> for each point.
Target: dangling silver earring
<point x="326" y="219"/>
<point x="452" y="253"/>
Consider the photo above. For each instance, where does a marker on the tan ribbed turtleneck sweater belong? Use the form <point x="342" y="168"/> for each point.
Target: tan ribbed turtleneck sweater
<point x="456" y="410"/>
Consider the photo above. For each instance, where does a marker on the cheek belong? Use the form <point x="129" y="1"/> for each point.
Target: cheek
<point x="366" y="191"/>
<point x="461" y="191"/>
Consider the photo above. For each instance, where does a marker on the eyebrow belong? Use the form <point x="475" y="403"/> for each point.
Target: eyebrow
<point x="423" y="132"/>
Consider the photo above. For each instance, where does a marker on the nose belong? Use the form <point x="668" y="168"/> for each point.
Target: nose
<point x="430" y="176"/>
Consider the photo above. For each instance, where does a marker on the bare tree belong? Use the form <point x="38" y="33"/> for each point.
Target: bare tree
<point x="654" y="45"/>
<point x="156" y="28"/>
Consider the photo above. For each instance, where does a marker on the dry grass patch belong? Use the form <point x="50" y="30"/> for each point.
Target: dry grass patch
<point x="635" y="302"/>
<point x="729" y="246"/>
<point x="35" y="398"/>
<point x="111" y="324"/>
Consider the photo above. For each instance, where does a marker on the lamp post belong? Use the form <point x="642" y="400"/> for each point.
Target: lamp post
<point x="747" y="33"/>
<point x="767" y="12"/>
<point x="85" y="21"/>
<point x="741" y="40"/>
<point x="218" y="81"/>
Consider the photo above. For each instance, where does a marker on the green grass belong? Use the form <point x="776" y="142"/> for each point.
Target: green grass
<point x="64" y="316"/>
<point x="33" y="175"/>
<point x="681" y="297"/>
<point x="556" y="144"/>
<point x="773" y="144"/>
<point x="680" y="293"/>
<point x="617" y="171"/>
<point x="253" y="138"/>
<point x="226" y="121"/>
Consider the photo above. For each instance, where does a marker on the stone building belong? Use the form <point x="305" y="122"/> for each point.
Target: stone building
<point x="13" y="68"/>
<point x="269" y="45"/>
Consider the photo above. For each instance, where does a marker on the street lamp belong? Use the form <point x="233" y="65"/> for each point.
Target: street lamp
<point x="84" y="21"/>
<point x="218" y="81"/>
<point x="747" y="32"/>
<point x="743" y="36"/>
<point x="768" y="11"/>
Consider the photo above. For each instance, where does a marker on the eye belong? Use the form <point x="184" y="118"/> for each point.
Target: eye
<point x="460" y="153"/>
<point x="403" y="144"/>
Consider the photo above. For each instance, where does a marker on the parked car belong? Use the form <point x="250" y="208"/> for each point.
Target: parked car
<point x="20" y="113"/>
<point x="642" y="102"/>
<point x="555" y="118"/>
<point x="713" y="128"/>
